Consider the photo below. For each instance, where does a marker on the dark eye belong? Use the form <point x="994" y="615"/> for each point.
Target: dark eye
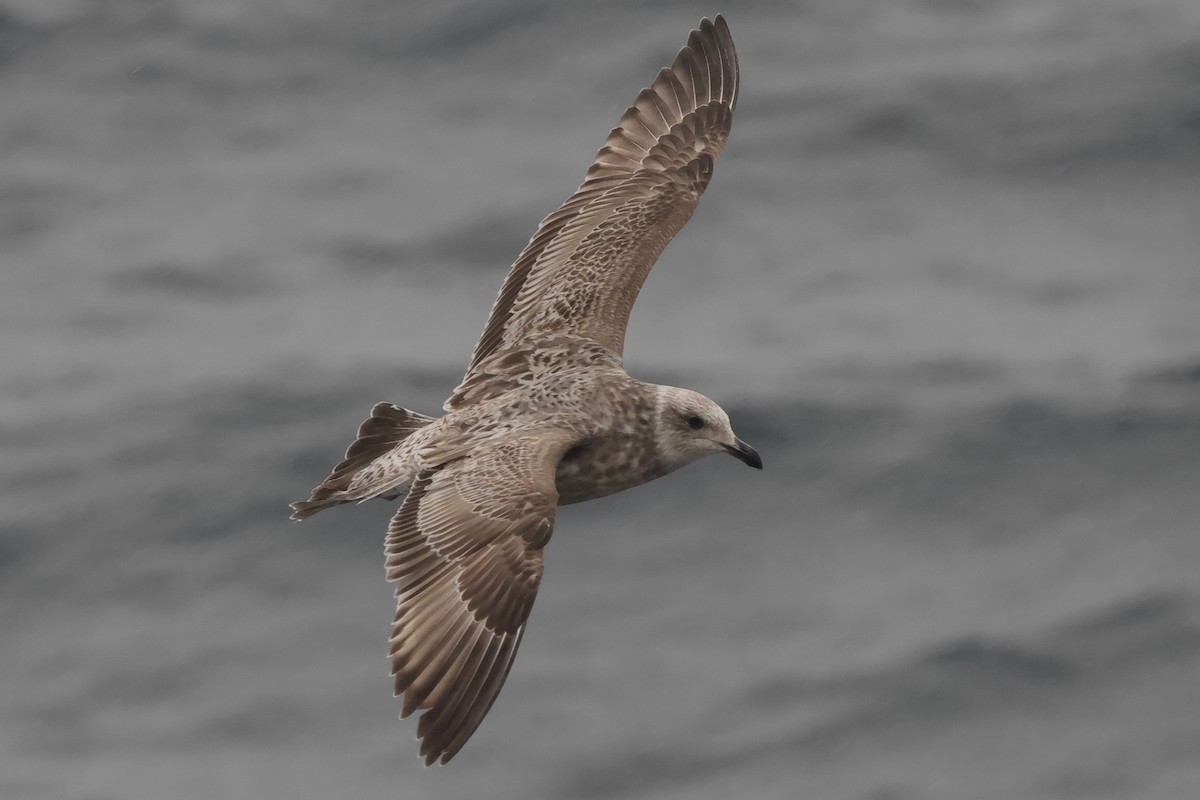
<point x="694" y="422"/>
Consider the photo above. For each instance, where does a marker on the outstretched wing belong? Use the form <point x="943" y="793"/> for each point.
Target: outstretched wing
<point x="583" y="268"/>
<point x="466" y="549"/>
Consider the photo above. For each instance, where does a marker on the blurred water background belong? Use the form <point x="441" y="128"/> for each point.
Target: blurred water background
<point x="946" y="279"/>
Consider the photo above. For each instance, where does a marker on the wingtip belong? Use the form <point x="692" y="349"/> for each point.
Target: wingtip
<point x="428" y="756"/>
<point x="716" y="30"/>
<point x="433" y="756"/>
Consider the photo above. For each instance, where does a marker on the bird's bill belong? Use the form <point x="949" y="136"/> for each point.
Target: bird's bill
<point x="744" y="453"/>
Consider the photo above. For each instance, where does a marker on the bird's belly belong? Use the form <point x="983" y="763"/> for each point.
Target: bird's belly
<point x="606" y="466"/>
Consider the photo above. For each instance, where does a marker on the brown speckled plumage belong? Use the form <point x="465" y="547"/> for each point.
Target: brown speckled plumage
<point x="546" y="414"/>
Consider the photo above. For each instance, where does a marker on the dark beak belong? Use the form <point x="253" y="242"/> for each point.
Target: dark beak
<point x="744" y="453"/>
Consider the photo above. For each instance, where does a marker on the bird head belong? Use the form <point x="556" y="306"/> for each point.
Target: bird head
<point x="691" y="425"/>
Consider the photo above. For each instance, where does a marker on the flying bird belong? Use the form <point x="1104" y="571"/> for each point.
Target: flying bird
<point x="546" y="414"/>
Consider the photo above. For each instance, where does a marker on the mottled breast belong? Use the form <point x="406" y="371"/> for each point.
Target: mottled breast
<point x="618" y="457"/>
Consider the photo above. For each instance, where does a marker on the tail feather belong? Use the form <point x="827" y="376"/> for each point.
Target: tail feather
<point x="388" y="426"/>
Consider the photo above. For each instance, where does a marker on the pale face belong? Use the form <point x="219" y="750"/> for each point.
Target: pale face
<point x="691" y="426"/>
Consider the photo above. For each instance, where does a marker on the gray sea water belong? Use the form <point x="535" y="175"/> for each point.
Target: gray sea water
<point x="946" y="279"/>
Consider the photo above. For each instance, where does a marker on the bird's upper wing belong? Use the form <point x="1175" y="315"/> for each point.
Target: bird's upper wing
<point x="584" y="266"/>
<point x="466" y="549"/>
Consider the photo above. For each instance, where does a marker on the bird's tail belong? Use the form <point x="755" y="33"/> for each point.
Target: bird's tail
<point x="388" y="426"/>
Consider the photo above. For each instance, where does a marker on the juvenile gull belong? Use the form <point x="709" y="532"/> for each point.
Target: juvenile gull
<point x="545" y="415"/>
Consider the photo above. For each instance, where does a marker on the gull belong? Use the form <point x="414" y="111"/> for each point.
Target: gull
<point x="546" y="414"/>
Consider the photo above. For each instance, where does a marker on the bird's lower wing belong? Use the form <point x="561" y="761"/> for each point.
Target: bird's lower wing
<point x="466" y="550"/>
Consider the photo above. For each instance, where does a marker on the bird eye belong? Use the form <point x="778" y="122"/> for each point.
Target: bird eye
<point x="694" y="422"/>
